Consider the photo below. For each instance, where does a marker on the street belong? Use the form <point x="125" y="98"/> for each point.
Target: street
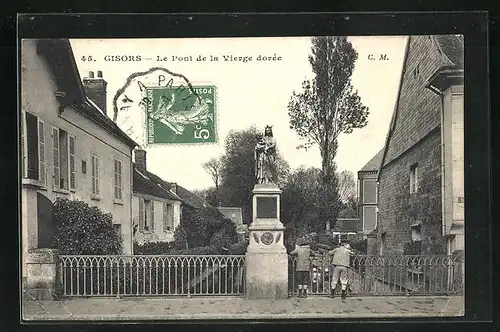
<point x="240" y="308"/>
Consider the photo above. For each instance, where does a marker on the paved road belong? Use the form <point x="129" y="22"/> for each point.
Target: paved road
<point x="239" y="308"/>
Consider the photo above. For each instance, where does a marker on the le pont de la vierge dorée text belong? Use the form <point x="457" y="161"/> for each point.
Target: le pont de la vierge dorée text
<point x="273" y="57"/>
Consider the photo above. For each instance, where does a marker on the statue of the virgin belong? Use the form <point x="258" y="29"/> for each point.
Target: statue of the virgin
<point x="265" y="157"/>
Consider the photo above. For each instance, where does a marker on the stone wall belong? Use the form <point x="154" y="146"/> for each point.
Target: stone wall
<point x="414" y="138"/>
<point x="395" y="200"/>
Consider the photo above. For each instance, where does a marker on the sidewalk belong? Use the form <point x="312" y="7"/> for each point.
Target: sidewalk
<point x="240" y="308"/>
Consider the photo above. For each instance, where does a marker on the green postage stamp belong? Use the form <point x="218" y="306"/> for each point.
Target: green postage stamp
<point x="179" y="114"/>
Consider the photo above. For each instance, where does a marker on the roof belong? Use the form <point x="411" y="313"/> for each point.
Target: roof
<point x="61" y="61"/>
<point x="374" y="163"/>
<point x="186" y="196"/>
<point x="191" y="198"/>
<point x="452" y="46"/>
<point x="233" y="213"/>
<point x="148" y="183"/>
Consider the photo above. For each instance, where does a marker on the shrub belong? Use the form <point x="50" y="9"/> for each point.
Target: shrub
<point x="360" y="246"/>
<point x="239" y="248"/>
<point x="226" y="235"/>
<point x="199" y="226"/>
<point x="83" y="229"/>
<point x="152" y="248"/>
<point x="412" y="248"/>
<point x="206" y="250"/>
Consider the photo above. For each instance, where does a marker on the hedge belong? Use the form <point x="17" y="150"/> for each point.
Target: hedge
<point x="83" y="229"/>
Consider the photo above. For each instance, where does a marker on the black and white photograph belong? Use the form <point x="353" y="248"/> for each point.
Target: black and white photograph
<point x="242" y="178"/>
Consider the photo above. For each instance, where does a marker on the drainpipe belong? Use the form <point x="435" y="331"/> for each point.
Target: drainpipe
<point x="131" y="226"/>
<point x="443" y="174"/>
<point x="442" y="166"/>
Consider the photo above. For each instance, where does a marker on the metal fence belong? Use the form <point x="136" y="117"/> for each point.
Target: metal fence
<point x="151" y="275"/>
<point x="387" y="275"/>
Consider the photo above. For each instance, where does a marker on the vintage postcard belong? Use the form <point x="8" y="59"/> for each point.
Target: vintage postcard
<point x="242" y="178"/>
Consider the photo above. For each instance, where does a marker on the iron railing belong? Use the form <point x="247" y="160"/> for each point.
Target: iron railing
<point x="151" y="275"/>
<point x="386" y="275"/>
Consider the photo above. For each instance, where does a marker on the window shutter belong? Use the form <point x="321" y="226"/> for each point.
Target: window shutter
<point x="56" y="176"/>
<point x="118" y="179"/>
<point x="41" y="152"/>
<point x="72" y="179"/>
<point x="23" y="146"/>
<point x="416" y="178"/>
<point x="165" y="219"/>
<point x="97" y="184"/>
<point x="115" y="181"/>
<point x="152" y="215"/>
<point x="93" y="174"/>
<point x="120" y="185"/>
<point x="141" y="214"/>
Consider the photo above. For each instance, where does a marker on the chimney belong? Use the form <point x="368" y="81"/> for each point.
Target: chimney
<point x="173" y="188"/>
<point x="95" y="89"/>
<point x="140" y="160"/>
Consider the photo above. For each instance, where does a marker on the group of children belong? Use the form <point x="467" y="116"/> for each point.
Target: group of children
<point x="340" y="261"/>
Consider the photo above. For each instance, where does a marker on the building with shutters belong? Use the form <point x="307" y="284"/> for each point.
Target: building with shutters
<point x="69" y="147"/>
<point x="157" y="204"/>
<point x="156" y="207"/>
<point x="367" y="195"/>
<point x="421" y="172"/>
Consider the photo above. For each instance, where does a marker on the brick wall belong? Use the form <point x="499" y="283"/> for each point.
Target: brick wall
<point x="415" y="138"/>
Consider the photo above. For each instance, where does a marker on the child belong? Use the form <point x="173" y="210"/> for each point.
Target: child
<point x="341" y="262"/>
<point x="303" y="267"/>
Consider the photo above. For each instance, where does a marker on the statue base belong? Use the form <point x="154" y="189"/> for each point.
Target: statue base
<point x="266" y="257"/>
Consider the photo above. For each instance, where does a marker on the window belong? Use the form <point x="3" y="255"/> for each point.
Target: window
<point x="414" y="178"/>
<point x="146" y="215"/>
<point x="118" y="179"/>
<point x="416" y="234"/>
<point x="369" y="192"/>
<point x="72" y="166"/>
<point x="95" y="176"/>
<point x="369" y="218"/>
<point x="168" y="217"/>
<point x="416" y="72"/>
<point x="63" y="154"/>
<point x="64" y="159"/>
<point x="33" y="148"/>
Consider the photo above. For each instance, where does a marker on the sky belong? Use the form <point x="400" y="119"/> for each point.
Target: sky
<point x="251" y="93"/>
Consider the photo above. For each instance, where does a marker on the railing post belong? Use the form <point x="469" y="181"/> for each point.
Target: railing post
<point x="41" y="274"/>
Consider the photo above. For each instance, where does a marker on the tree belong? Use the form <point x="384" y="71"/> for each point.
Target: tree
<point x="299" y="198"/>
<point x="237" y="172"/>
<point x="347" y="186"/>
<point x="328" y="106"/>
<point x="209" y="195"/>
<point x="212" y="167"/>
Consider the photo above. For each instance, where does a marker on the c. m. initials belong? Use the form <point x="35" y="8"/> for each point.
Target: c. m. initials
<point x="380" y="57"/>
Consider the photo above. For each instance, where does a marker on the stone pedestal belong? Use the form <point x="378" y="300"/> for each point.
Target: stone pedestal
<point x="266" y="257"/>
<point x="41" y="274"/>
